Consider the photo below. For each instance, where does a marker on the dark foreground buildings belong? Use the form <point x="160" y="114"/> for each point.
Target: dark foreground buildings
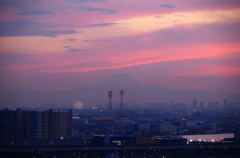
<point x="39" y="125"/>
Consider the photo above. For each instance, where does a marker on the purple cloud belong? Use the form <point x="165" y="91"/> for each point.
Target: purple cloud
<point x="70" y="39"/>
<point x="27" y="27"/>
<point x="94" y="40"/>
<point x="75" y="50"/>
<point x="101" y="11"/>
<point x="100" y="25"/>
<point x="35" y="12"/>
<point x="166" y="6"/>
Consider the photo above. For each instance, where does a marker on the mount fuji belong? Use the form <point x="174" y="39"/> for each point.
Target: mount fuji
<point x="97" y="93"/>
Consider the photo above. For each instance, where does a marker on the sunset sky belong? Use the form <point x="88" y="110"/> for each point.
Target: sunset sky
<point x="63" y="44"/>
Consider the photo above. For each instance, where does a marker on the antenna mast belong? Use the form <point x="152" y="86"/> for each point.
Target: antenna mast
<point x="120" y="115"/>
<point x="110" y="120"/>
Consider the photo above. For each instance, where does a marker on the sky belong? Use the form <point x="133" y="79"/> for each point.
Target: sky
<point x="63" y="44"/>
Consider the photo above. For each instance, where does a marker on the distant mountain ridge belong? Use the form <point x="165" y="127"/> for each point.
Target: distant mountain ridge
<point x="134" y="91"/>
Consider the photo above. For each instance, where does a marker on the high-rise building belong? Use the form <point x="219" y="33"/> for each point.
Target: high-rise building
<point x="194" y="105"/>
<point x="47" y="124"/>
<point x="10" y="124"/>
<point x="225" y="102"/>
<point x="201" y="105"/>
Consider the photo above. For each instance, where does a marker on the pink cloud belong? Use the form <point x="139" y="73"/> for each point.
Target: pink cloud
<point x="176" y="54"/>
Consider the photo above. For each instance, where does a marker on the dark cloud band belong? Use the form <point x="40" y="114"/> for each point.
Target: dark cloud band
<point x="100" y="25"/>
<point x="26" y="27"/>
<point x="166" y="6"/>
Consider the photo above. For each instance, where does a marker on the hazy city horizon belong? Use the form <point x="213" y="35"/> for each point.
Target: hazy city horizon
<point x="174" y="88"/>
<point x="135" y="92"/>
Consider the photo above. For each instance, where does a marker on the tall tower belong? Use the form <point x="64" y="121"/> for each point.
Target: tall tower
<point x="121" y="100"/>
<point x="120" y="114"/>
<point x="110" y="121"/>
<point x="109" y="128"/>
<point x="110" y="100"/>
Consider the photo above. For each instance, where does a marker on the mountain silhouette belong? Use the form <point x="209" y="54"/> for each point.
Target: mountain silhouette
<point x="134" y="91"/>
<point x="119" y="80"/>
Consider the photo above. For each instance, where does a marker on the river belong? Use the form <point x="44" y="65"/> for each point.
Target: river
<point x="208" y="137"/>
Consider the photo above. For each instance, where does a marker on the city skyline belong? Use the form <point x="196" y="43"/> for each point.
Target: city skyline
<point x="95" y="94"/>
<point x="66" y="44"/>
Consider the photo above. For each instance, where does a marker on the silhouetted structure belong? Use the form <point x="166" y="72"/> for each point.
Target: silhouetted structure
<point x="120" y="115"/>
<point x="201" y="105"/>
<point x="109" y="120"/>
<point x="35" y="124"/>
<point x="225" y="104"/>
<point x="177" y="124"/>
<point x="194" y="105"/>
